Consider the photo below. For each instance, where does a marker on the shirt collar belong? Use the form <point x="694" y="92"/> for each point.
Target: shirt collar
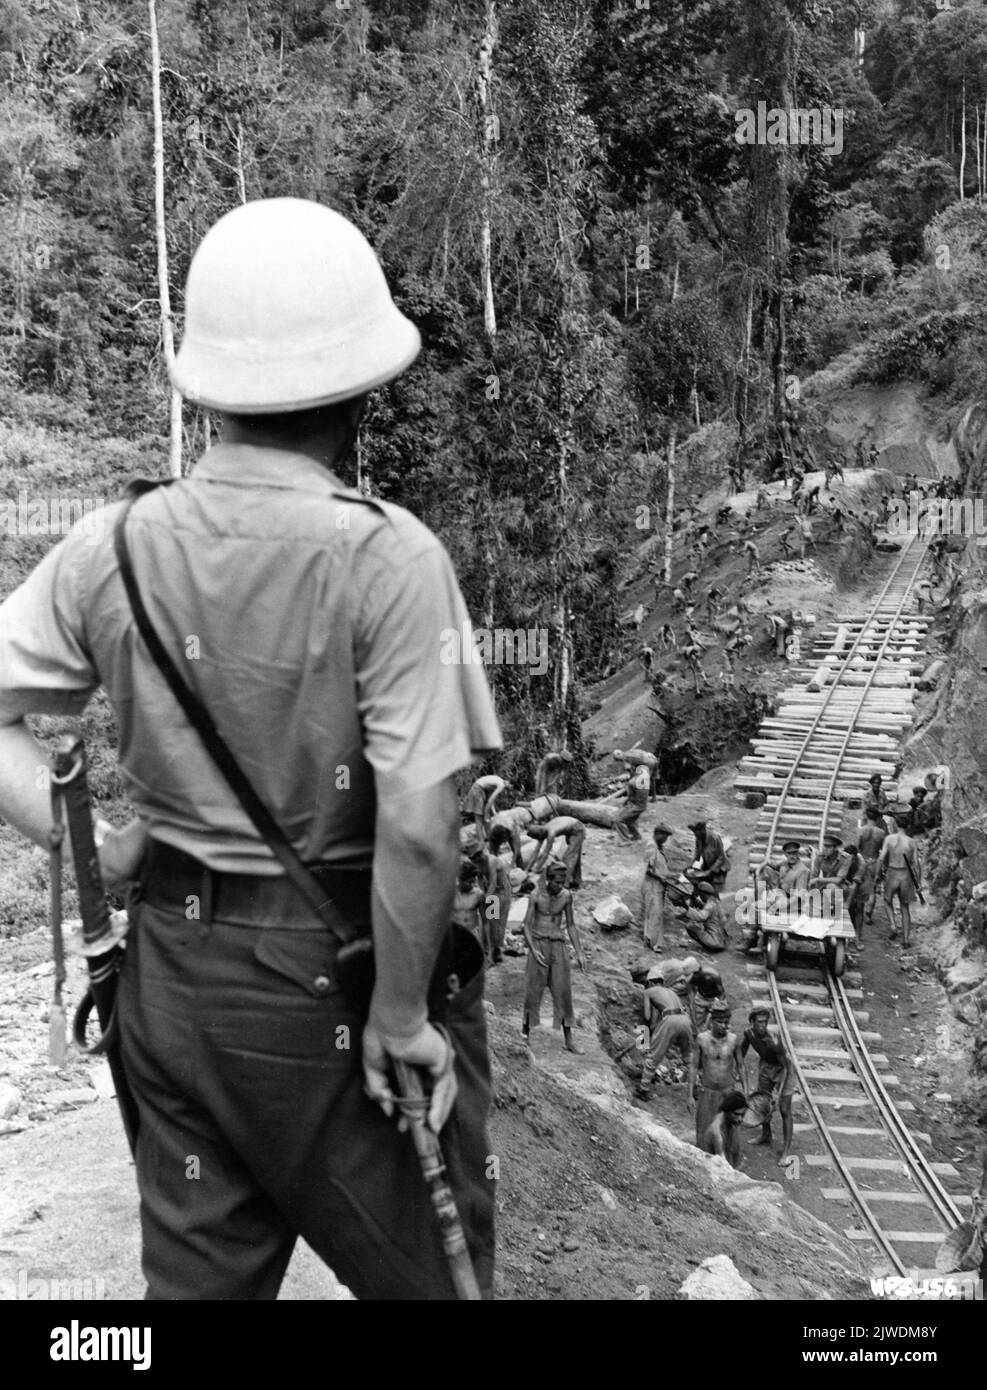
<point x="250" y="465"/>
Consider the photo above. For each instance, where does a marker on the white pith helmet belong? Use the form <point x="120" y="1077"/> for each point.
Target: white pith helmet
<point x="287" y="308"/>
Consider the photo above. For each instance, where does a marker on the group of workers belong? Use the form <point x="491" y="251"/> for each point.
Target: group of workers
<point x="686" y="1010"/>
<point x="848" y="876"/>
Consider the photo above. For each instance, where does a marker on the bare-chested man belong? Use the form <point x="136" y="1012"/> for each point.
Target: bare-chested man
<point x="775" y="1072"/>
<point x="549" y="773"/>
<point x="715" y="1066"/>
<point x="723" y="1135"/>
<point x="871" y="839"/>
<point x="495" y="878"/>
<point x="902" y="878"/>
<point x="574" y="833"/>
<point x="507" y="827"/>
<point x="468" y="903"/>
<point x="548" y="919"/>
<point x="481" y="801"/>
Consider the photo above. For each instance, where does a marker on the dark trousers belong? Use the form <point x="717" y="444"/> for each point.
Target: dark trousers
<point x="254" y="1129"/>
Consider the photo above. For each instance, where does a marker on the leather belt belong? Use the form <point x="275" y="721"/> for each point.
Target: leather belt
<point x="170" y="877"/>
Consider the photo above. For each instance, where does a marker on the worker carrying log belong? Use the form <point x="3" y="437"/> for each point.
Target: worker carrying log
<point x="637" y="757"/>
<point x="636" y="803"/>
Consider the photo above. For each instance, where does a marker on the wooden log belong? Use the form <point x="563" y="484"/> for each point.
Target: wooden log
<point x="590" y="812"/>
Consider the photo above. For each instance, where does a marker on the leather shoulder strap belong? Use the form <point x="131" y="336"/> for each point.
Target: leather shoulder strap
<point x="202" y="722"/>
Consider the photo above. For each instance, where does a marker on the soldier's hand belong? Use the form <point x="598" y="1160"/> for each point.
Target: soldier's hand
<point x="430" y="1052"/>
<point x="690" y="1104"/>
<point x="539" y="958"/>
<point x="120" y="852"/>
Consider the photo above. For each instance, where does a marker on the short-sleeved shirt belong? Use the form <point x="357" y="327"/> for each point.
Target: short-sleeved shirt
<point x="319" y="628"/>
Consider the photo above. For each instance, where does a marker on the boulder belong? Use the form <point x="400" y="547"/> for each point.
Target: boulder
<point x="10" y="1100"/>
<point x="612" y="914"/>
<point x="717" y="1279"/>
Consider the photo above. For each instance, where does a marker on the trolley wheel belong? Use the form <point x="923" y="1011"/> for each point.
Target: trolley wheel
<point x="837" y="956"/>
<point x="772" y="951"/>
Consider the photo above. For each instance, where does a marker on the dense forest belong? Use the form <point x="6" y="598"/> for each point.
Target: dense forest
<point x="612" y="288"/>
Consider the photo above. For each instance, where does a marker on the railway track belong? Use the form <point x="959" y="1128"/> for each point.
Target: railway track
<point x="841" y="720"/>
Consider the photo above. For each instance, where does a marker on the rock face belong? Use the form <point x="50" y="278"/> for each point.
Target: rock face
<point x="717" y="1278"/>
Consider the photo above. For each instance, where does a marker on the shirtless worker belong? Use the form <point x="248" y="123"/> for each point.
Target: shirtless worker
<point x="574" y="833"/>
<point x="548" y="919"/>
<point x="670" y="1027"/>
<point x="723" y="1135"/>
<point x="481" y="799"/>
<point x="549" y="773"/>
<point x="902" y="877"/>
<point x="871" y="838"/>
<point x="774" y="1072"/>
<point x="467" y="906"/>
<point x="715" y="1067"/>
<point x="507" y="827"/>
<point x="495" y="876"/>
<point x="704" y="988"/>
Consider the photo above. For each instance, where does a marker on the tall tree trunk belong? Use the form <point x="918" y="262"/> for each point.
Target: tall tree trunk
<point x="669" y="506"/>
<point x="241" y="181"/>
<point x="488" y="119"/>
<point x="167" y="328"/>
<point x="488" y="158"/>
<point x="963" y="142"/>
<point x="976" y="143"/>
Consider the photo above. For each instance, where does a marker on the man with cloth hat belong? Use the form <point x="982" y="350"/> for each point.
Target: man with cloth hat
<point x="656" y="876"/>
<point x="774" y="1072"/>
<point x="710" y="863"/>
<point x="668" y="1020"/>
<point x="319" y="617"/>
<point x="715" y="1065"/>
<point x="707" y="925"/>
